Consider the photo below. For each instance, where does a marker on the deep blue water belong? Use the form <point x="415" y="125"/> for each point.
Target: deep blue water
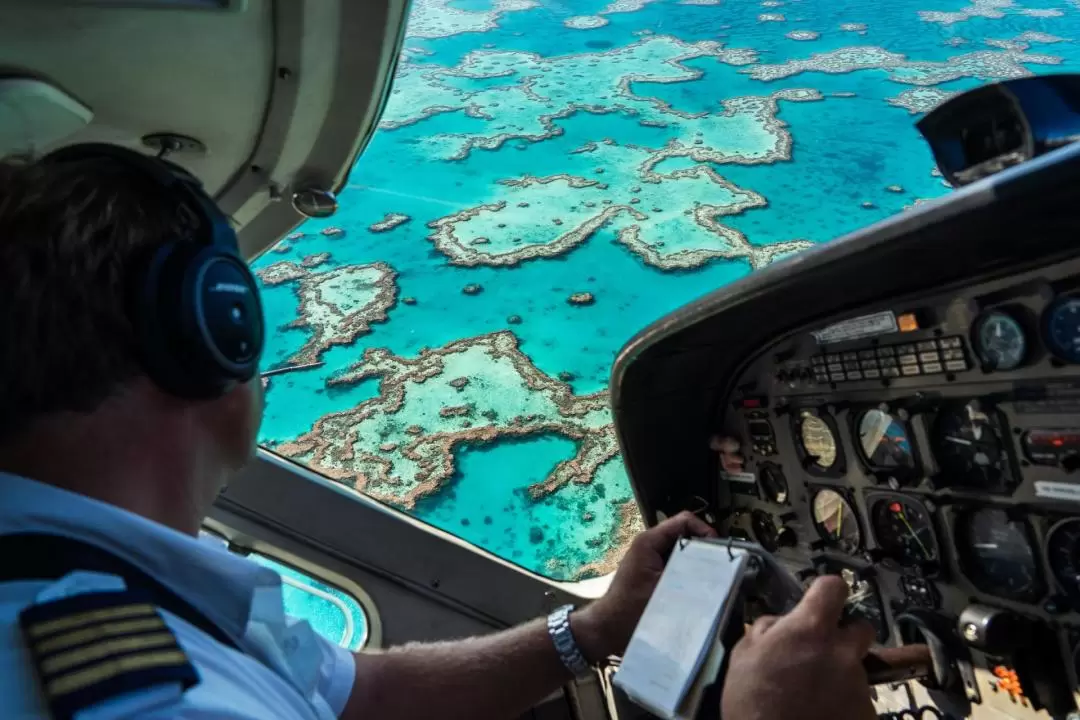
<point x="846" y="150"/>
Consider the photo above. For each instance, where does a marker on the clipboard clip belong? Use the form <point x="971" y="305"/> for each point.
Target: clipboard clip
<point x="685" y="539"/>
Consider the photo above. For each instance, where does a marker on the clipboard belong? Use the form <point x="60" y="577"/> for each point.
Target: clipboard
<point x="678" y="649"/>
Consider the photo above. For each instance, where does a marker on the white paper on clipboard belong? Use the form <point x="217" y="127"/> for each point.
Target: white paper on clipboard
<point x="677" y="633"/>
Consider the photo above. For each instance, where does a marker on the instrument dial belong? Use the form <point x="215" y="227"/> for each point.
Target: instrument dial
<point x="1063" y="554"/>
<point x="996" y="554"/>
<point x="903" y="530"/>
<point x="1061" y="327"/>
<point x="836" y="522"/>
<point x="967" y="444"/>
<point x="884" y="441"/>
<point x="1000" y="341"/>
<point x="818" y="441"/>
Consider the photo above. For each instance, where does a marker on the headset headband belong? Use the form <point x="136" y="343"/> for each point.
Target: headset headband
<point x="196" y="207"/>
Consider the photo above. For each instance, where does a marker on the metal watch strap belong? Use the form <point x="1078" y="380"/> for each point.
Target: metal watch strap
<point x="558" y="625"/>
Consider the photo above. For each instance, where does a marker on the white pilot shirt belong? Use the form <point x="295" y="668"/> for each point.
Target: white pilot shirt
<point x="301" y="675"/>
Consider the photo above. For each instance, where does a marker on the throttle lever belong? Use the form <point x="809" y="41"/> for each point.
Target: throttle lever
<point x="894" y="665"/>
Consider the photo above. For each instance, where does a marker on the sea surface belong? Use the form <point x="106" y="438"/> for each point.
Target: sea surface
<point x="474" y="80"/>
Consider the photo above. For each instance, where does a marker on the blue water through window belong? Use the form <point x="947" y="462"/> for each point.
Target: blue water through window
<point x="332" y="612"/>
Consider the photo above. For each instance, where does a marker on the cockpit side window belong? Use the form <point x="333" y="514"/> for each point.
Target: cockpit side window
<point x="544" y="183"/>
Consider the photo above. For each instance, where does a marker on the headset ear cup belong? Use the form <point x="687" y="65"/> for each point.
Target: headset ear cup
<point x="222" y="325"/>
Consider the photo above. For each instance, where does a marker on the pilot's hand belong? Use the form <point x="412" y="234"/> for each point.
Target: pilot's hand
<point x="802" y="665"/>
<point x="604" y="627"/>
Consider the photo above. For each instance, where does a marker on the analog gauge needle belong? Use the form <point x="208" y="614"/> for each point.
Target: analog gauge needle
<point x="903" y="519"/>
<point x="839" y="521"/>
<point x="958" y="440"/>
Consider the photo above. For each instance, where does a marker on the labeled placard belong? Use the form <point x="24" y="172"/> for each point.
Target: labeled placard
<point x="1057" y="490"/>
<point x="864" y="326"/>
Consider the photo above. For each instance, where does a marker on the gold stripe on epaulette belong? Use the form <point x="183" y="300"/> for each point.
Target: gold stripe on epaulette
<point x="71" y="658"/>
<point x="108" y="669"/>
<point x="96" y="632"/>
<point x="85" y="618"/>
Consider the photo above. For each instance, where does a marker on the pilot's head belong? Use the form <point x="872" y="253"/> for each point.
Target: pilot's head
<point x="102" y="387"/>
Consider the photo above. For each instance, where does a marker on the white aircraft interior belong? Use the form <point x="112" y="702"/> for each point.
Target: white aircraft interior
<point x="905" y="398"/>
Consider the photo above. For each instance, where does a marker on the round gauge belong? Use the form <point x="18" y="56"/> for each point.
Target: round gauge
<point x="1061" y="325"/>
<point x="996" y="554"/>
<point x="968" y="446"/>
<point x="836" y="522"/>
<point x="1063" y="553"/>
<point x="818" y="441"/>
<point x="764" y="530"/>
<point x="773" y="484"/>
<point x="903" y="530"/>
<point x="885" y="442"/>
<point x="1000" y="342"/>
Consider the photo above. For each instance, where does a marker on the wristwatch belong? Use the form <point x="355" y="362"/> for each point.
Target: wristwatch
<point x="558" y="625"/>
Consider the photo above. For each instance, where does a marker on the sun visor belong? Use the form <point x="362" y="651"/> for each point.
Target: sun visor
<point x="260" y="100"/>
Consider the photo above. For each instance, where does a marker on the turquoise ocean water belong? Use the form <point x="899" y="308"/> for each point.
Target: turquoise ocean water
<point x="847" y="148"/>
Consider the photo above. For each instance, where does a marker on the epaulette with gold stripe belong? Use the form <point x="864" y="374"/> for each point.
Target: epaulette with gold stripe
<point x="93" y="647"/>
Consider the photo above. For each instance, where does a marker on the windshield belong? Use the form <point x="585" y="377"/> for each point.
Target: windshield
<point x="550" y="176"/>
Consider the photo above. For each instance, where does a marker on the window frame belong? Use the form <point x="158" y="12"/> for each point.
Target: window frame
<point x="282" y="509"/>
<point x="245" y="545"/>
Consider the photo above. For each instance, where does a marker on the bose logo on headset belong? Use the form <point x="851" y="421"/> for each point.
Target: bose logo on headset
<point x="230" y="288"/>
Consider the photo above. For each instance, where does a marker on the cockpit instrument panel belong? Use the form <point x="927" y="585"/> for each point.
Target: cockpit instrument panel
<point x="928" y="449"/>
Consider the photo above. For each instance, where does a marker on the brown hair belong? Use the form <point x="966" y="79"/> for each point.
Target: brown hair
<point x="72" y="239"/>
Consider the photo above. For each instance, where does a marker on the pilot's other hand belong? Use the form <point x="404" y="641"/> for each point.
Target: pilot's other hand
<point x="803" y="665"/>
<point x="604" y="627"/>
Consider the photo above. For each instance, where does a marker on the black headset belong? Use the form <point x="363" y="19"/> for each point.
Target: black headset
<point x="195" y="305"/>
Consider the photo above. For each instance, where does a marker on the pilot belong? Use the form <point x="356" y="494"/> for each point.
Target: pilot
<point x="119" y="427"/>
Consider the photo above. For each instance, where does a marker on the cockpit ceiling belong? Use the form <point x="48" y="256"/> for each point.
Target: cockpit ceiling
<point x="282" y="95"/>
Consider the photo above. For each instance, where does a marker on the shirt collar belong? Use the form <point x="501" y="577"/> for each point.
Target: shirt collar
<point x="216" y="582"/>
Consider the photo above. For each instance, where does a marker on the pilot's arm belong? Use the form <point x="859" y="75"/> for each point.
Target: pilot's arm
<point x="803" y="665"/>
<point x="504" y="674"/>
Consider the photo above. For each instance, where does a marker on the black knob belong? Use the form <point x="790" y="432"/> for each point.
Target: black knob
<point x="787" y="537"/>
